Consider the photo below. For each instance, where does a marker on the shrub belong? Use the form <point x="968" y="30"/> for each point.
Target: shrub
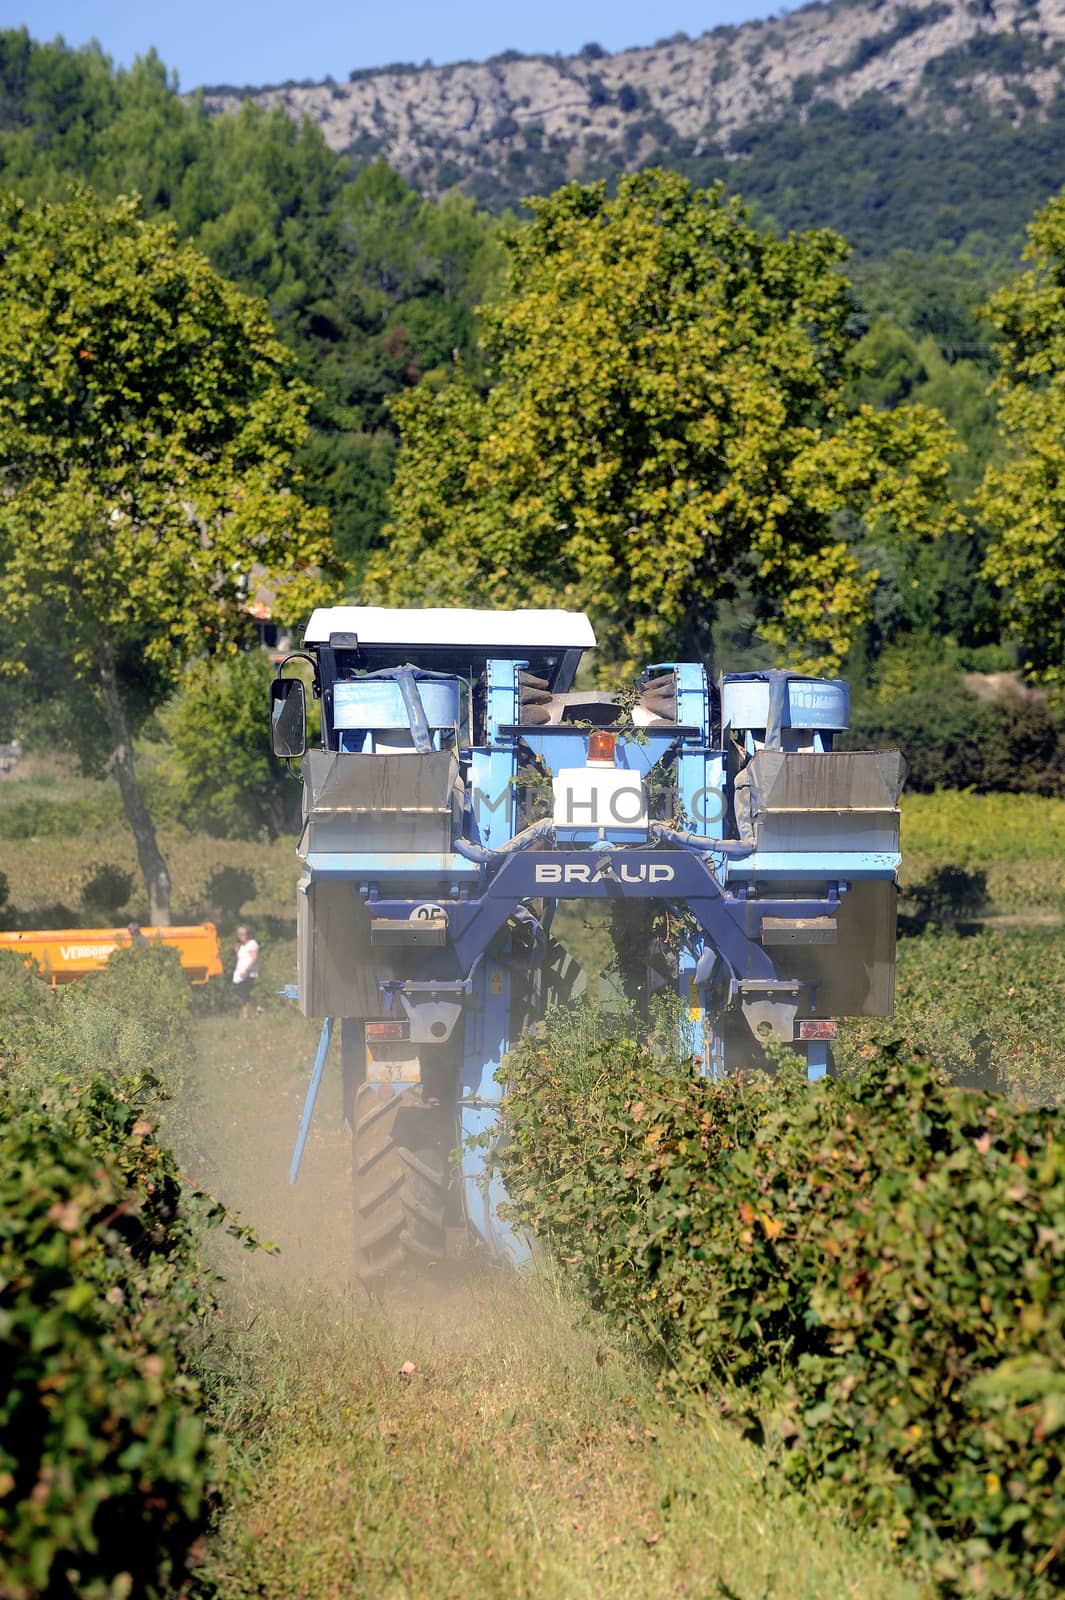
<point x="23" y="997"/>
<point x="1018" y="840"/>
<point x="229" y="888"/>
<point x="989" y="1009"/>
<point x="129" y="1021"/>
<point x="104" y="1458"/>
<point x="879" y="1260"/>
<point x="219" y="768"/>
<point x="953" y="740"/>
<point x="107" y="888"/>
<point x="949" y="894"/>
<point x="106" y="1461"/>
<point x="37" y="817"/>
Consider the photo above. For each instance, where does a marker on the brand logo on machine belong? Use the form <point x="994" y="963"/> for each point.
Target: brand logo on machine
<point x="619" y="872"/>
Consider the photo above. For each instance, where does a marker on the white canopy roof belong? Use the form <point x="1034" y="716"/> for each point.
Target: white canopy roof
<point x="439" y="625"/>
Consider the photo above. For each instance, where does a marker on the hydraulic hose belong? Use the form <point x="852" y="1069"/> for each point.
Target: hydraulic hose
<point x="734" y="849"/>
<point x="658" y="833"/>
<point x="486" y="857"/>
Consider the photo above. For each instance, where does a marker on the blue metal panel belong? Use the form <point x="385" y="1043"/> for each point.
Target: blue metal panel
<point x="816" y="1060"/>
<point x="693" y="698"/>
<point x="342" y="864"/>
<point x="732" y="924"/>
<point x="700" y="771"/>
<point x="641" y="755"/>
<point x="557" y="749"/>
<point x="699" y="767"/>
<point x="485" y="1045"/>
<point x="492" y="769"/>
<point x="846" y="866"/>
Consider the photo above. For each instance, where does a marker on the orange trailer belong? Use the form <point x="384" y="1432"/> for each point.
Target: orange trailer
<point x="63" y="954"/>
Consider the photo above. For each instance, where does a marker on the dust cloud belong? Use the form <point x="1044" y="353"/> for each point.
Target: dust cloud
<point x="246" y="1095"/>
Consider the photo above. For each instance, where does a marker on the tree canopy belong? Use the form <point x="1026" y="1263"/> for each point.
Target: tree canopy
<point x="148" y="423"/>
<point x="149" y="419"/>
<point x="665" y="423"/>
<point x="373" y="286"/>
<point x="218" y="763"/>
<point x="1023" y="499"/>
<point x="369" y="284"/>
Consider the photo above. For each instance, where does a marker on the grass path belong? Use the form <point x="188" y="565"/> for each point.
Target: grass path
<point x="484" y="1441"/>
<point x="480" y="1436"/>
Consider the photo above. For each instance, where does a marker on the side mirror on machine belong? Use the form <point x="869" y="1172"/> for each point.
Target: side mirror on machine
<point x="288" y="718"/>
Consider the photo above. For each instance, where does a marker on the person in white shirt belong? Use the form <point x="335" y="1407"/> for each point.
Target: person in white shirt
<point x="246" y="969"/>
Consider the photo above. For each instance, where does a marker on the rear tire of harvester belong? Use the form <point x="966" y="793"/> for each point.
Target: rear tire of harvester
<point x="400" y="1175"/>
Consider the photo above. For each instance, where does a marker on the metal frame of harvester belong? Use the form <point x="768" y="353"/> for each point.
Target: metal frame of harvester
<point x="430" y="879"/>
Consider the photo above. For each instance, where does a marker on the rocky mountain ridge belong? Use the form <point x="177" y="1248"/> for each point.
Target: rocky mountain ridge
<point x="484" y="126"/>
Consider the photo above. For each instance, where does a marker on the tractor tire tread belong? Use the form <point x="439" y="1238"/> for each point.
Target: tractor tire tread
<point x="424" y="1168"/>
<point x="400" y="1175"/>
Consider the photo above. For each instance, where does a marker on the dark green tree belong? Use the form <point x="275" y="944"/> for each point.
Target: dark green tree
<point x="148" y="423"/>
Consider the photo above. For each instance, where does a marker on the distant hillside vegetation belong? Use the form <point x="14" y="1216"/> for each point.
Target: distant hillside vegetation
<point x="900" y="124"/>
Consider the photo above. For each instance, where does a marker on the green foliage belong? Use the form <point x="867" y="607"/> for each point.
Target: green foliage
<point x="1023" y="500"/>
<point x="989" y="1007"/>
<point x="373" y="288"/>
<point x="878" y="1260"/>
<point x="666" y="378"/>
<point x="953" y="740"/>
<point x="125" y="1024"/>
<point x="949" y="895"/>
<point x="46" y="880"/>
<point x="399" y="278"/>
<point x="218" y="766"/>
<point x="1016" y="840"/>
<point x="149" y="423"/>
<point x="369" y="285"/>
<point x="37" y="816"/>
<point x="928" y="343"/>
<point x="229" y="888"/>
<point x="887" y="178"/>
<point x="104" y="1458"/>
<point x="106" y="1463"/>
<point x="53" y="708"/>
<point x="23" y="997"/>
<point x="147" y="982"/>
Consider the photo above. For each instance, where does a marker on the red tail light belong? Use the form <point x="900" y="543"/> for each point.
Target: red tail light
<point x="387" y="1032"/>
<point x="816" y="1029"/>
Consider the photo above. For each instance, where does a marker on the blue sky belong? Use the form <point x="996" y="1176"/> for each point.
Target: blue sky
<point x="265" y="41"/>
